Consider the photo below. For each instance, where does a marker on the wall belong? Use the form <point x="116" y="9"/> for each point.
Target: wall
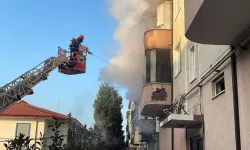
<point x="165" y="139"/>
<point x="8" y="128"/>
<point x="192" y="7"/>
<point x="218" y="114"/>
<point x="243" y="73"/>
<point x="178" y="36"/>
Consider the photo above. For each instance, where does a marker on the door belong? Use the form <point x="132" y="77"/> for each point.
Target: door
<point x="196" y="143"/>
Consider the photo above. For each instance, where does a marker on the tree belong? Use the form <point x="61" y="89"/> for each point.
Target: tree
<point x="108" y="116"/>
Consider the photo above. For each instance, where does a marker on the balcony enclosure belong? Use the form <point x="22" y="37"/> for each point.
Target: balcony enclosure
<point x="158" y="66"/>
<point x="156" y="94"/>
<point x="218" y="22"/>
<point x="147" y="129"/>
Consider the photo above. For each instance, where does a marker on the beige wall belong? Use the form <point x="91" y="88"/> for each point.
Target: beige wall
<point x="165" y="139"/>
<point x="180" y="139"/>
<point x="178" y="36"/>
<point x="8" y="128"/>
<point x="218" y="113"/>
<point x="243" y="73"/>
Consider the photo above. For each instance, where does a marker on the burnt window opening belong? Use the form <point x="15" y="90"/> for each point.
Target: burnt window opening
<point x="158" y="66"/>
<point x="159" y="95"/>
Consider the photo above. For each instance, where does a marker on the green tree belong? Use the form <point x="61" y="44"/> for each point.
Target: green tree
<point x="108" y="117"/>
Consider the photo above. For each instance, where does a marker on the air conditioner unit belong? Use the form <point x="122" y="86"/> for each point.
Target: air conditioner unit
<point x="164" y="17"/>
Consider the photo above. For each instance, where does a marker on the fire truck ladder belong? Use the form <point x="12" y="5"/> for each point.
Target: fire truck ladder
<point x="22" y="86"/>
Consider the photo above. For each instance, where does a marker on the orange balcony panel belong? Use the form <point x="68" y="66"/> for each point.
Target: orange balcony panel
<point x="157" y="39"/>
<point x="153" y="103"/>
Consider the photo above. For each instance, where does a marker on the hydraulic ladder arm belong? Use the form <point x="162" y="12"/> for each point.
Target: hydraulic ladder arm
<point x="22" y="86"/>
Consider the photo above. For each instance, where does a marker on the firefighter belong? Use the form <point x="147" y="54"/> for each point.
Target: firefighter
<point x="79" y="40"/>
<point x="72" y="45"/>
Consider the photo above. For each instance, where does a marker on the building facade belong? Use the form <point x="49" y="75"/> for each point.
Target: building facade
<point x="218" y="30"/>
<point x="133" y="126"/>
<point x="30" y="120"/>
<point x="196" y="73"/>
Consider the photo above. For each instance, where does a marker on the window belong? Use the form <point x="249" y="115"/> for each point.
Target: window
<point x="158" y="66"/>
<point x="177" y="8"/>
<point x="219" y="85"/>
<point x="196" y="143"/>
<point x="177" y="60"/>
<point x="23" y="128"/>
<point x="192" y="63"/>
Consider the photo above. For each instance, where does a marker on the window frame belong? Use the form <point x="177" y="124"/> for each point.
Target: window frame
<point x="178" y="61"/>
<point x="192" y="63"/>
<point x="29" y="126"/>
<point x="214" y="85"/>
<point x="158" y="69"/>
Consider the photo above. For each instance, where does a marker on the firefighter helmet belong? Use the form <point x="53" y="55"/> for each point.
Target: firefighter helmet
<point x="81" y="37"/>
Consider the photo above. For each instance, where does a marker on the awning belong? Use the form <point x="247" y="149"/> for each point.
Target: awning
<point x="181" y="121"/>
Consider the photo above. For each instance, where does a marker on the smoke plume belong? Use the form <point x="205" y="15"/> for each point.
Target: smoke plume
<point x="127" y="67"/>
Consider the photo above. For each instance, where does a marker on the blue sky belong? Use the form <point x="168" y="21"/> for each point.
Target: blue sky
<point x="30" y="32"/>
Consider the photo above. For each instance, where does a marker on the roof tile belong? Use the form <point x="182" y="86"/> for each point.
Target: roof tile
<point x="24" y="109"/>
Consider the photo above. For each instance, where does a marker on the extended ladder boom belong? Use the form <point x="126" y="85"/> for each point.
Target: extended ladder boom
<point x="22" y="86"/>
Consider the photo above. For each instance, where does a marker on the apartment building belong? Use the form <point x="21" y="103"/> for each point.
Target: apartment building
<point x="141" y="132"/>
<point x="157" y="91"/>
<point x="196" y="73"/>
<point x="133" y="126"/>
<point x="209" y="108"/>
<point x="229" y="25"/>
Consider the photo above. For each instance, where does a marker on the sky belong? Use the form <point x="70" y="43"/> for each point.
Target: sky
<point x="31" y="31"/>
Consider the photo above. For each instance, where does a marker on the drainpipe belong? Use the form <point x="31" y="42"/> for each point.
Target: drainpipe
<point x="172" y="71"/>
<point x="235" y="100"/>
<point x="36" y="130"/>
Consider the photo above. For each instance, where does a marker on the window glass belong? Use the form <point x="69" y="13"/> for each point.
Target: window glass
<point x="158" y="66"/>
<point x="23" y="128"/>
<point x="218" y="85"/>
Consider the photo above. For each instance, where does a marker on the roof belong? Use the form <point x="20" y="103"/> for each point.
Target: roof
<point x="24" y="109"/>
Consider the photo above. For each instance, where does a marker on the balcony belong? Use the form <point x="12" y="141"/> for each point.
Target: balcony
<point x="147" y="129"/>
<point x="223" y="22"/>
<point x="181" y="121"/>
<point x="155" y="98"/>
<point x="157" y="39"/>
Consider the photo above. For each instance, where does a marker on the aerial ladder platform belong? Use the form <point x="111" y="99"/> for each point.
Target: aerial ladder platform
<point x="22" y="86"/>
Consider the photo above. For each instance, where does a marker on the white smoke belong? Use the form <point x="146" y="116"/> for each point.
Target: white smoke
<point x="127" y="68"/>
